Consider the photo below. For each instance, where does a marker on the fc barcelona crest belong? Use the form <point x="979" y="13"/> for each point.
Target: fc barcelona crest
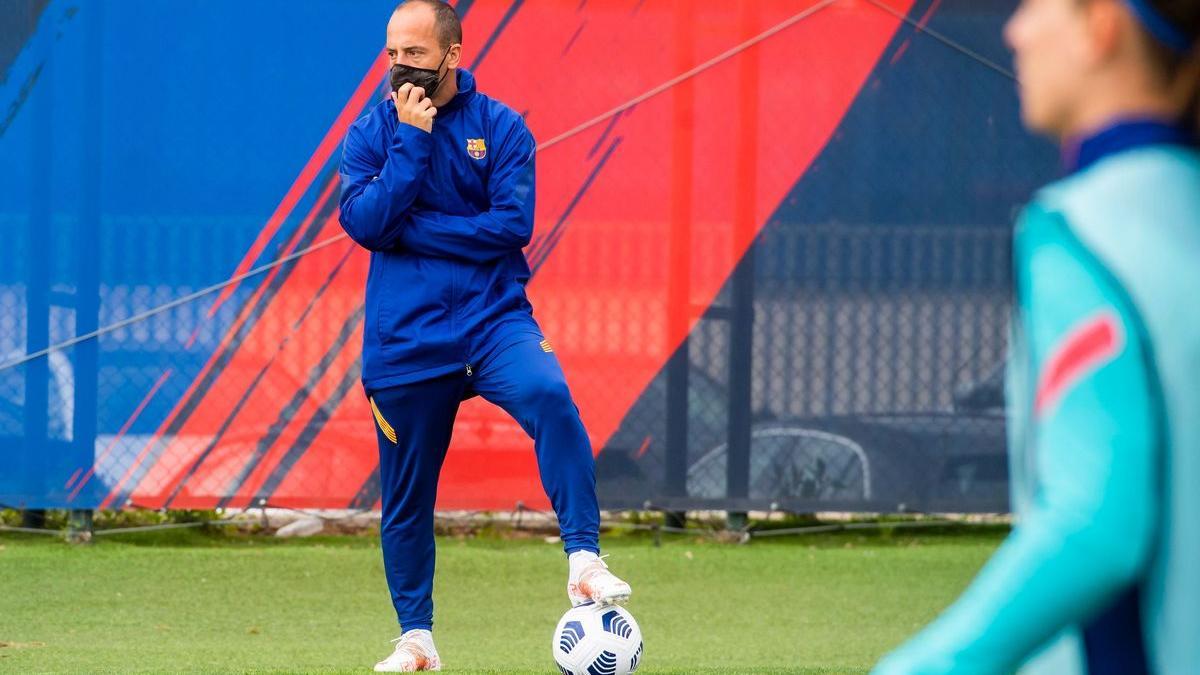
<point x="476" y="148"/>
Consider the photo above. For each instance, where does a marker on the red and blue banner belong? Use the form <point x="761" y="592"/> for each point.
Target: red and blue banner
<point x="864" y="168"/>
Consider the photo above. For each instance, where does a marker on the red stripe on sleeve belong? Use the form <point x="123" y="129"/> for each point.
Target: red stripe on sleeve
<point x="1085" y="349"/>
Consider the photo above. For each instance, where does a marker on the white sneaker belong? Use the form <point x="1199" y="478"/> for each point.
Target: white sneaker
<point x="590" y="581"/>
<point x="414" y="652"/>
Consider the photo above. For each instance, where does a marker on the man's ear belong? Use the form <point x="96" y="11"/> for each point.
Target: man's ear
<point x="455" y="55"/>
<point x="1108" y="27"/>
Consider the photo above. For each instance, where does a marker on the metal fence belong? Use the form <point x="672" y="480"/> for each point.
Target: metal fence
<point x="795" y="301"/>
<point x="864" y="393"/>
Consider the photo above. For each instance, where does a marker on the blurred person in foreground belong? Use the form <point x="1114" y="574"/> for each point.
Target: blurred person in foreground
<point x="1101" y="573"/>
<point x="438" y="183"/>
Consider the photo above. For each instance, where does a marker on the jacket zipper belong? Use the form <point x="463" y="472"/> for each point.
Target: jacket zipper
<point x="454" y="311"/>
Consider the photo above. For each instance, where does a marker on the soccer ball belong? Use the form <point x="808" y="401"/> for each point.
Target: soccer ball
<point x="595" y="640"/>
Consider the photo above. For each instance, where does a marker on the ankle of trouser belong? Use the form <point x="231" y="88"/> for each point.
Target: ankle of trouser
<point x="581" y="548"/>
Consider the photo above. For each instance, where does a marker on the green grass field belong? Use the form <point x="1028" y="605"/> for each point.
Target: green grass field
<point x="189" y="601"/>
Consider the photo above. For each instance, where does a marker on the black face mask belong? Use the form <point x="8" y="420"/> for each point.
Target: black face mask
<point x="425" y="78"/>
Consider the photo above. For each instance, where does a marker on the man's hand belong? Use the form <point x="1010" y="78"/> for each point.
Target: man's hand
<point x="412" y="107"/>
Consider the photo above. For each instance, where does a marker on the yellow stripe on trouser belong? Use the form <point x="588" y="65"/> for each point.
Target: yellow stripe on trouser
<point x="386" y="428"/>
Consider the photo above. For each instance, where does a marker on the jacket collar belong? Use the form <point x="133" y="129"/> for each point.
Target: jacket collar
<point x="466" y="90"/>
<point x="1124" y="135"/>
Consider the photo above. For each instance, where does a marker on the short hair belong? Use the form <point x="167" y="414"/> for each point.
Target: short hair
<point x="446" y="21"/>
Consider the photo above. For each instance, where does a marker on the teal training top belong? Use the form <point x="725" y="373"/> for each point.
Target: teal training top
<point x="1102" y="570"/>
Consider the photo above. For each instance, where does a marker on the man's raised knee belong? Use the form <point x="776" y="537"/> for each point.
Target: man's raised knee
<point x="549" y="394"/>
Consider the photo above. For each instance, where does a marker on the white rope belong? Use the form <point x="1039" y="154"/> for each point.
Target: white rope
<point x="168" y="306"/>
<point x="946" y="41"/>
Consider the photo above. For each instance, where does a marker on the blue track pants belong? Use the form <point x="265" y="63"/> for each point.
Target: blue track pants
<point x="525" y="380"/>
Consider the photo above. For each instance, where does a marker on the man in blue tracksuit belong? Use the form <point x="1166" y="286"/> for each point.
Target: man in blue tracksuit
<point x="438" y="183"/>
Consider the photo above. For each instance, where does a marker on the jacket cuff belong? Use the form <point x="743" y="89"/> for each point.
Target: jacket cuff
<point x="407" y="134"/>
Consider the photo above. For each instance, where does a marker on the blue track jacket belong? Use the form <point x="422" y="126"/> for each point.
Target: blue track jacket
<point x="445" y="215"/>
